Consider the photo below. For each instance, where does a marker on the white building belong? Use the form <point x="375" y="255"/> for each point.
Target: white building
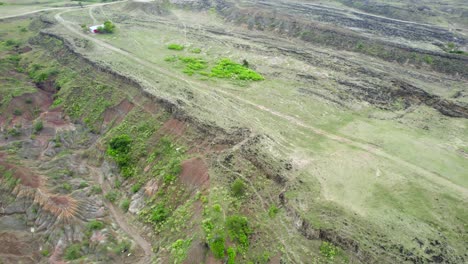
<point x="93" y="29"/>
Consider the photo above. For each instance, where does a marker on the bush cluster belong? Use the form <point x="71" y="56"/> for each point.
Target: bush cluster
<point x="119" y="149"/>
<point x="226" y="68"/>
<point x="108" y="28"/>
<point x="175" y="47"/>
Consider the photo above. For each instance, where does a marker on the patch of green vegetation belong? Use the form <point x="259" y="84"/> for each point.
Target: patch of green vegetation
<point x="159" y="214"/>
<point x="83" y="184"/>
<point x="14" y="132"/>
<point x="168" y="157"/>
<point x="17" y="112"/>
<point x="125" y="204"/>
<point x="67" y="187"/>
<point x="196" y="50"/>
<point x="112" y="196"/>
<point x="72" y="252"/>
<point x="40" y="73"/>
<point x="45" y="252"/>
<point x="96" y="189"/>
<point x="95" y="225"/>
<point x="328" y="250"/>
<point x="179" y="250"/>
<point x="216" y="245"/>
<point x="119" y="149"/>
<point x="239" y="230"/>
<point x="238" y="188"/>
<point x="10" y="180"/>
<point x="57" y="102"/>
<point x="107" y="28"/>
<point x="12" y="43"/>
<point x="193" y="65"/>
<point x="136" y="187"/>
<point x="226" y="68"/>
<point x="273" y="210"/>
<point x="428" y="59"/>
<point x="38" y="126"/>
<point x="174" y="46"/>
<point x="231" y="252"/>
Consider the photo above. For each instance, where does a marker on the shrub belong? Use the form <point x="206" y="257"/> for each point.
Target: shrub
<point x="231" y="252"/>
<point x="119" y="145"/>
<point x="96" y="189"/>
<point x="17" y="112"/>
<point x="159" y="214"/>
<point x="175" y="47"/>
<point x="45" y="252"/>
<point x="95" y="225"/>
<point x="38" y="126"/>
<point x="179" y="250"/>
<point x="238" y="229"/>
<point x="83" y="184"/>
<point x="428" y="59"/>
<point x="328" y="250"/>
<point x="73" y="252"/>
<point x="123" y="247"/>
<point x="108" y="28"/>
<point x="136" y="187"/>
<point x="10" y="180"/>
<point x="125" y="204"/>
<point x="117" y="184"/>
<point x="28" y="101"/>
<point x="119" y="149"/>
<point x="217" y="246"/>
<point x="14" y="132"/>
<point x="12" y="42"/>
<point x="226" y="68"/>
<point x="238" y="188"/>
<point x="67" y="187"/>
<point x="273" y="210"/>
<point x="112" y="196"/>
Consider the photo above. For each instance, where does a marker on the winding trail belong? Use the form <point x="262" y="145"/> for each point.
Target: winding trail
<point x="200" y="87"/>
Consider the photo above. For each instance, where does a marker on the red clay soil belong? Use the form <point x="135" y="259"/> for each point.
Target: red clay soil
<point x="195" y="173"/>
<point x="40" y="100"/>
<point x="62" y="201"/>
<point x="210" y="259"/>
<point x="174" y="127"/>
<point x="118" y="112"/>
<point x="54" y="117"/>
